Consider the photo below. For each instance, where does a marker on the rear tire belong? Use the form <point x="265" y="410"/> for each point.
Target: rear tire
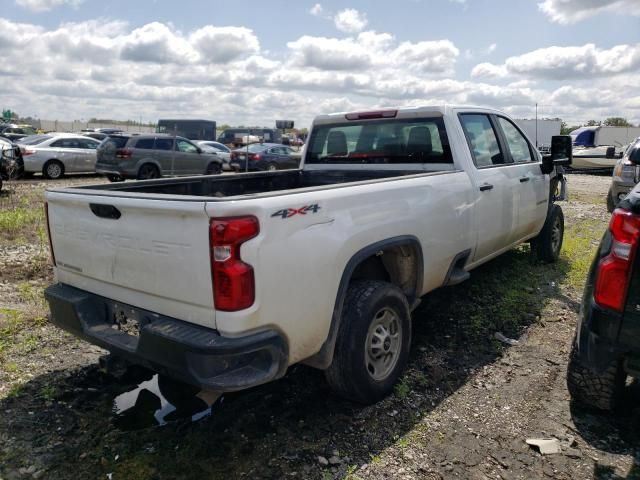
<point x="272" y="167"/>
<point x="214" y="169"/>
<point x="547" y="245"/>
<point x="53" y="170"/>
<point x="148" y="171"/>
<point x="373" y="342"/>
<point x="115" y="178"/>
<point x="601" y="390"/>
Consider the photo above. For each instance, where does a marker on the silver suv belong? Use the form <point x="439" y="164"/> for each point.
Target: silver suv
<point x="626" y="174"/>
<point x="153" y="156"/>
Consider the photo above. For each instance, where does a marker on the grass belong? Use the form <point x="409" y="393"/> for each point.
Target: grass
<point x="580" y="243"/>
<point x="20" y="223"/>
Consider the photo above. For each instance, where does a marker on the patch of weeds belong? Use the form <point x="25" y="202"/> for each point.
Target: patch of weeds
<point x="10" y="367"/>
<point x="376" y="459"/>
<point x="30" y="343"/>
<point x="48" y="393"/>
<point x="402" y="388"/>
<point x="351" y="473"/>
<point x="21" y="221"/>
<point x="15" y="390"/>
<point x="580" y="243"/>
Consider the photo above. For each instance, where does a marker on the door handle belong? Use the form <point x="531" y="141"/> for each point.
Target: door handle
<point x="486" y="186"/>
<point x="524" y="179"/>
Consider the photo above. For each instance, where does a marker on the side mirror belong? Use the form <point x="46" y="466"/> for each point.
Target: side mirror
<point x="561" y="153"/>
<point x="199" y="150"/>
<point x="634" y="156"/>
<point x="611" y="152"/>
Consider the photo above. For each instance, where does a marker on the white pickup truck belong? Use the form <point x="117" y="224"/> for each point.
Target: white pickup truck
<point x="226" y="281"/>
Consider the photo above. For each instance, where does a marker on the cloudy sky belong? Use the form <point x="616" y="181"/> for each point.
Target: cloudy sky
<point x="252" y="62"/>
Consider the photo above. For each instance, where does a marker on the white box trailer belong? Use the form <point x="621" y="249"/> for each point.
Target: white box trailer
<point x="544" y="131"/>
<point x="616" y="136"/>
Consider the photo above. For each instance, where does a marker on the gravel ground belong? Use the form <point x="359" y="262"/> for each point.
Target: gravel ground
<point x="463" y="410"/>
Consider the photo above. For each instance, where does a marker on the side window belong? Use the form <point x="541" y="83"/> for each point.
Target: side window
<point x="164" y="144"/>
<point x="145" y="143"/>
<point x="482" y="140"/>
<point x="66" y="143"/>
<point x="187" y="147"/>
<point x="518" y="145"/>
<point x="88" y="144"/>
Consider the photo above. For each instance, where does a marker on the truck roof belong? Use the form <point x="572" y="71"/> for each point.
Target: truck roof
<point x="406" y="111"/>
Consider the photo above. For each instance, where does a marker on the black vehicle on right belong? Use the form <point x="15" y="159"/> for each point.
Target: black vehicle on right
<point x="606" y="349"/>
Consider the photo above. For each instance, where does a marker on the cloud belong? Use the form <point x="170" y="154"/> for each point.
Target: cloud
<point x="329" y="53"/>
<point x="350" y="20"/>
<point x="46" y="5"/>
<point x="491" y="48"/>
<point x="561" y="63"/>
<point x="316" y="10"/>
<point x="567" y="12"/>
<point x="224" y="44"/>
<point x="489" y="70"/>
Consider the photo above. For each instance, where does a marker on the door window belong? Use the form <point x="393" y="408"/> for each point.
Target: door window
<point x="518" y="145"/>
<point x="187" y="147"/>
<point x="88" y="144"/>
<point x="66" y="143"/>
<point x="482" y="140"/>
<point x="164" y="143"/>
<point x="145" y="143"/>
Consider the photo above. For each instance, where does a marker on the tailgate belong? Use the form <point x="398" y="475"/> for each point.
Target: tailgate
<point x="154" y="255"/>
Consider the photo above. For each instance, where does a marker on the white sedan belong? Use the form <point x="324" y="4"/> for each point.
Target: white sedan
<point x="222" y="151"/>
<point x="55" y="155"/>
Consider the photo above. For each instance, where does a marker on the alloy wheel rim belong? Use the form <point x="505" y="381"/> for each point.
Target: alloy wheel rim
<point x="383" y="344"/>
<point x="54" y="170"/>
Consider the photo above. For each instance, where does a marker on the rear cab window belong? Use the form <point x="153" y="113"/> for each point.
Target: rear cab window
<point x="390" y="141"/>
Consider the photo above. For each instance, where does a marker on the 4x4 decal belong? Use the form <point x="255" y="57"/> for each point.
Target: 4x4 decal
<point x="290" y="212"/>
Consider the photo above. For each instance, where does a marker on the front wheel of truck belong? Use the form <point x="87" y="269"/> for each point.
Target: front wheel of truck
<point x="546" y="246"/>
<point x="373" y="342"/>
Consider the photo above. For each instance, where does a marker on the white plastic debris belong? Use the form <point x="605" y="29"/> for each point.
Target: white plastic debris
<point x="503" y="339"/>
<point x="546" y="446"/>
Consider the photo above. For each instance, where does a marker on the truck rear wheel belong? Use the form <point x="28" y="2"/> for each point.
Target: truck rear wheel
<point x="546" y="246"/>
<point x="601" y="390"/>
<point x="373" y="342"/>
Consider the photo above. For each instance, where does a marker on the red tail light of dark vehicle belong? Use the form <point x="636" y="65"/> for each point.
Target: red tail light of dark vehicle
<point x="254" y="157"/>
<point x="614" y="270"/>
<point x="124" y="153"/>
<point x="233" y="280"/>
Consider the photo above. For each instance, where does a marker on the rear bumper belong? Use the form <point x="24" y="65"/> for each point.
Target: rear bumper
<point x="187" y="352"/>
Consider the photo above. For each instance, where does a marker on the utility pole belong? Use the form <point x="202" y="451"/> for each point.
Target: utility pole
<point x="536" y="125"/>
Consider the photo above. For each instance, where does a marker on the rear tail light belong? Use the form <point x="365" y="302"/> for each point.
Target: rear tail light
<point x="254" y="156"/>
<point x="124" y="153"/>
<point x="27" y="151"/>
<point x="233" y="280"/>
<point x="614" y="270"/>
<point x="46" y="216"/>
<point x="371" y="115"/>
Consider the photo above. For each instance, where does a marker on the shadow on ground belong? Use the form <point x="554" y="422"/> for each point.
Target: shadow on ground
<point x="614" y="432"/>
<point x="63" y="422"/>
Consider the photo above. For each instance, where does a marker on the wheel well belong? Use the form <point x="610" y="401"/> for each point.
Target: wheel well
<point x="397" y="265"/>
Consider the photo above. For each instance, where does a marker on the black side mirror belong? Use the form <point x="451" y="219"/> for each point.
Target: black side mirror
<point x="634" y="156"/>
<point x="561" y="153"/>
<point x="611" y="152"/>
<point x="198" y="149"/>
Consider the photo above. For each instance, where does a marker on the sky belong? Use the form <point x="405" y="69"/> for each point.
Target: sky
<point x="253" y="62"/>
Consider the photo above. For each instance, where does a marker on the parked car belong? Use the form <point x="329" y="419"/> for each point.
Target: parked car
<point x="11" y="163"/>
<point x="219" y="149"/>
<point x="265" y="156"/>
<point x="55" y="155"/>
<point x="225" y="282"/>
<point x="626" y="174"/>
<point x="153" y="155"/>
<point x="16" y="132"/>
<point x="241" y="136"/>
<point x="606" y="346"/>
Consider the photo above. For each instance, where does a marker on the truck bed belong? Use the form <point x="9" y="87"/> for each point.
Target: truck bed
<point x="221" y="186"/>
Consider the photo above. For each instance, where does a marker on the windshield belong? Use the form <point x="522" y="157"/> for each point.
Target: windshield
<point x="385" y="141"/>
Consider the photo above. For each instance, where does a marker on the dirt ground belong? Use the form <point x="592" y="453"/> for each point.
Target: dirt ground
<point x="464" y="408"/>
